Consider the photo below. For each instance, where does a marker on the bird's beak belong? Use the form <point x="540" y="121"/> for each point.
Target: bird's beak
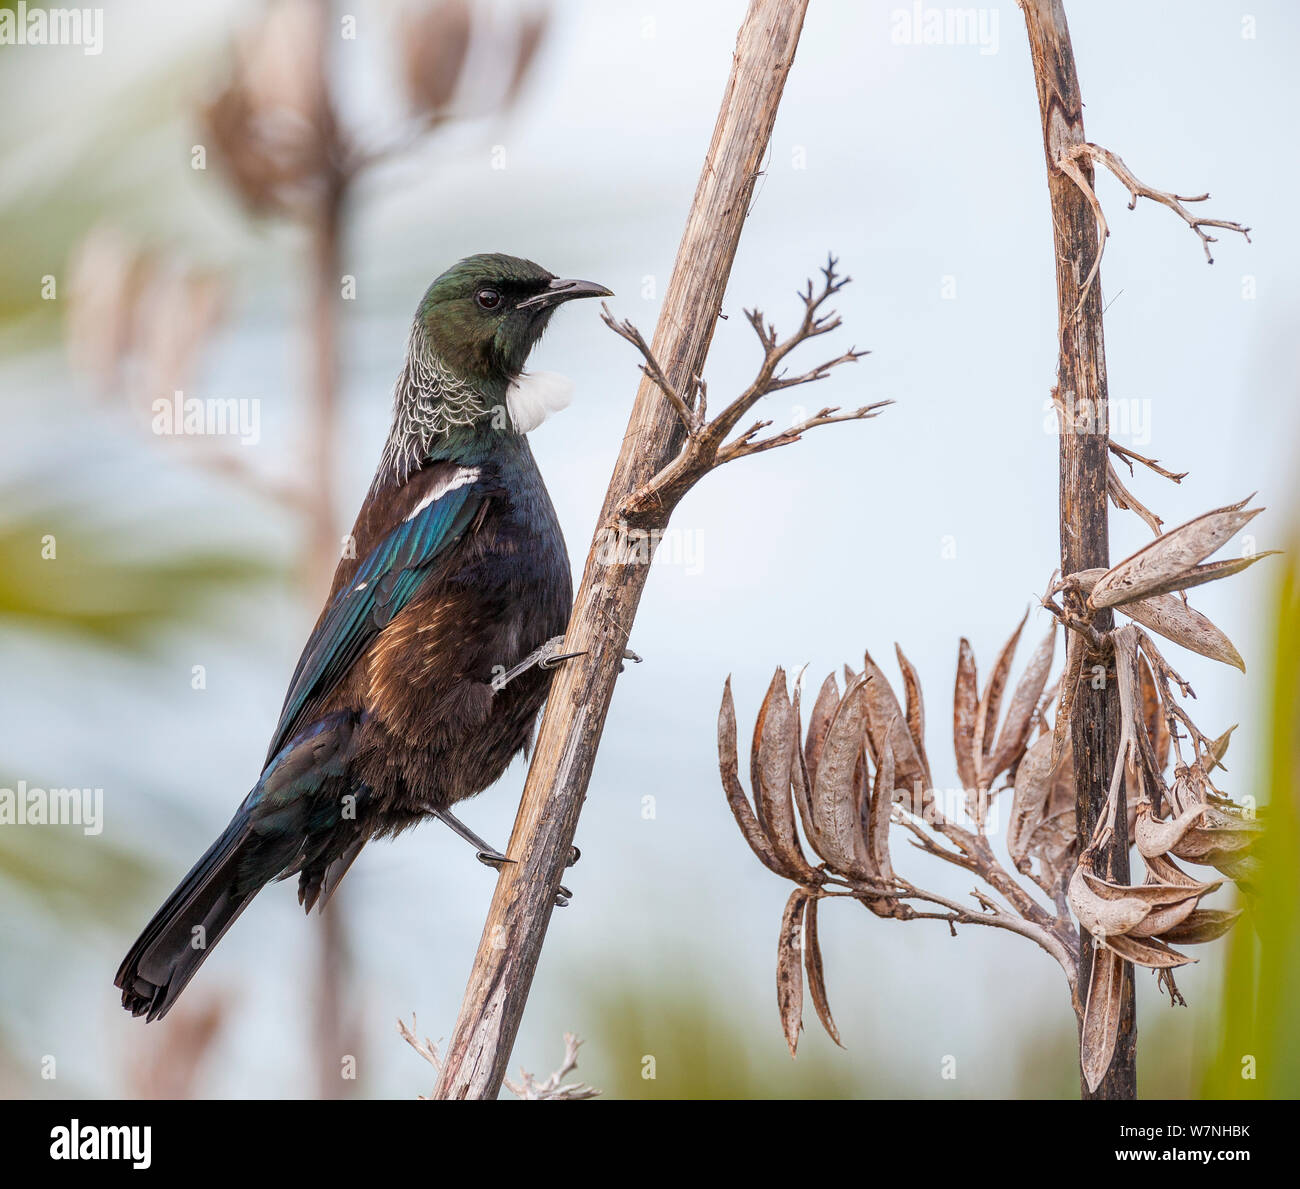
<point x="561" y="290"/>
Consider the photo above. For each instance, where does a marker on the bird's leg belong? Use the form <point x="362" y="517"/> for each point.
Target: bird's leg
<point x="547" y="657"/>
<point x="489" y="856"/>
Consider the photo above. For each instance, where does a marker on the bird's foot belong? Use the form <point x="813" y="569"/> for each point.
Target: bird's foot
<point x="486" y="853"/>
<point x="563" y="896"/>
<point x="492" y="858"/>
<point x="545" y="657"/>
<point x="489" y="856"/>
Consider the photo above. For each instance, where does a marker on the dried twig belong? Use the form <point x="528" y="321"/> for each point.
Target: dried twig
<point x="1138" y="189"/>
<point x="426" y="1048"/>
<point x="1129" y="457"/>
<point x="1067" y="162"/>
<point x="552" y="1088"/>
<point x="706" y="446"/>
<point x="1126" y="501"/>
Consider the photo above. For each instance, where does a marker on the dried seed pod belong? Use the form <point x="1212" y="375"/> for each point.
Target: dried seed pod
<point x="789" y="968"/>
<point x="801" y="783"/>
<point x="1155" y="893"/>
<point x="812" y="956"/>
<point x="1167" y="871"/>
<point x="1215" y="844"/>
<point x="1019" y="722"/>
<point x="1211" y="572"/>
<point x="990" y="705"/>
<point x="915" y="710"/>
<point x="1147" y="951"/>
<point x="834" y="799"/>
<point x="1101" y="915"/>
<point x="1056" y="840"/>
<point x="1153" y="714"/>
<point x="1070" y="679"/>
<point x="728" y="765"/>
<point x="1173" y="619"/>
<point x="965" y="707"/>
<point x="1156" y="836"/>
<point x="1219" y="748"/>
<point x="1163" y="918"/>
<point x="776" y="738"/>
<point x="886" y="725"/>
<point x="882" y="807"/>
<point x="819" y="722"/>
<point x="1101" y="1016"/>
<point x="1033" y="784"/>
<point x="862" y="812"/>
<point x="1203" y="925"/>
<point x="1170" y="557"/>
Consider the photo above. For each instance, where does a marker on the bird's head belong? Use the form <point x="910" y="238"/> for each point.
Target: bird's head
<point x="483" y="316"/>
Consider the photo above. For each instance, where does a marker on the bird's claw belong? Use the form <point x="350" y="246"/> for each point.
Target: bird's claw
<point x="492" y="858"/>
<point x="549" y="662"/>
<point x="547" y="657"/>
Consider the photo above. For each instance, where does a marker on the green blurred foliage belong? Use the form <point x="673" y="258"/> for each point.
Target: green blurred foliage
<point x="70" y="880"/>
<point x="699" y="1047"/>
<point x="100" y="590"/>
<point x="99" y="586"/>
<point x="1260" y="1023"/>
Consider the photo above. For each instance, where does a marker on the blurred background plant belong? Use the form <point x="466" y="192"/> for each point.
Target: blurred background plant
<point x="570" y="133"/>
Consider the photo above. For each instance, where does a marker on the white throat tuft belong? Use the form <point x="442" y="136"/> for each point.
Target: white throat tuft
<point x="535" y="396"/>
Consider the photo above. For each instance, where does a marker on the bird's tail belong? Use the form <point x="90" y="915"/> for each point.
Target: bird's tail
<point x="191" y="921"/>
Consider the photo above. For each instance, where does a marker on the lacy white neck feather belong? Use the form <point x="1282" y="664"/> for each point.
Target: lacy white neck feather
<point x="429" y="400"/>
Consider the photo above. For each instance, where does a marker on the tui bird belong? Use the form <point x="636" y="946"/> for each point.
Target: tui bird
<point x="423" y="676"/>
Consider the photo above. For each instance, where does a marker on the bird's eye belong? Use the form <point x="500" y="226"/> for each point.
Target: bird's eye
<point x="488" y="299"/>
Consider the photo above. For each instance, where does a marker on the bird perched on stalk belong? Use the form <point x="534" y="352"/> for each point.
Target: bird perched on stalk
<point x="424" y="675"/>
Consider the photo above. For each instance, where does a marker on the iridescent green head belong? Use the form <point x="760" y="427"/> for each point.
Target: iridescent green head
<point x="484" y="315"/>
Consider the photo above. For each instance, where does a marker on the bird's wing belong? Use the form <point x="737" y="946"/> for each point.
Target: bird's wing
<point x="383" y="584"/>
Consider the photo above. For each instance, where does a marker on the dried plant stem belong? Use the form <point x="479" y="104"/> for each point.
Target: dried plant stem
<point x="1084" y="462"/>
<point x="1132" y="456"/>
<point x="1138" y="189"/>
<point x="1030" y="918"/>
<point x="1126" y="501"/>
<point x="552" y="1088"/>
<point x="706" y="445"/>
<point x="608" y="596"/>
